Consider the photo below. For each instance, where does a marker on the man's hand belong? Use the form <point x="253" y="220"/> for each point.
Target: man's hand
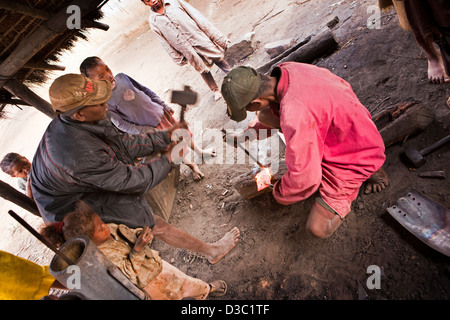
<point x="144" y="239"/>
<point x="169" y="109"/>
<point x="176" y="156"/>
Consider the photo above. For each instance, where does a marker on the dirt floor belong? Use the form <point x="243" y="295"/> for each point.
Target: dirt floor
<point x="276" y="258"/>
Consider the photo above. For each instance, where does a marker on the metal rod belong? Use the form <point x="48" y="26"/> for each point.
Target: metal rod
<point x="250" y="155"/>
<point x="246" y="151"/>
<point x="40" y="237"/>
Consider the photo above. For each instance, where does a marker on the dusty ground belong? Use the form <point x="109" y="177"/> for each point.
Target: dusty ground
<point x="275" y="258"/>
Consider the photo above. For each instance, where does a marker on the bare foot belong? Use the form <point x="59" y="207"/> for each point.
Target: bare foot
<point x="377" y="182"/>
<point x="436" y="71"/>
<point x="217" y="95"/>
<point x="197" y="174"/>
<point x="224" y="245"/>
<point x="210" y="152"/>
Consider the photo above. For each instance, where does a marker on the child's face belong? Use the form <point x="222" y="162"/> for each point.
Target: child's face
<point x="21" y="169"/>
<point x="102" y="232"/>
<point x="101" y="72"/>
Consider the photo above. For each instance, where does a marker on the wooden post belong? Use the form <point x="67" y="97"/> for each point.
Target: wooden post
<point x="11" y="194"/>
<point x="20" y="90"/>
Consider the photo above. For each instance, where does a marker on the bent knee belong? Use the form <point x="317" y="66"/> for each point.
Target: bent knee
<point x="318" y="231"/>
<point x="161" y="226"/>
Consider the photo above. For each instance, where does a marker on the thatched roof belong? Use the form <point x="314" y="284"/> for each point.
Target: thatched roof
<point x="16" y="26"/>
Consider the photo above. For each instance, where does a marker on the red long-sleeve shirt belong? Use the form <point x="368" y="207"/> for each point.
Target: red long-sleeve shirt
<point x="332" y="144"/>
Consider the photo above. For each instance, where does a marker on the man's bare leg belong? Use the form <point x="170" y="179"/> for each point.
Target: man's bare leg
<point x="436" y="69"/>
<point x="377" y="182"/>
<point x="178" y="238"/>
<point x="197" y="174"/>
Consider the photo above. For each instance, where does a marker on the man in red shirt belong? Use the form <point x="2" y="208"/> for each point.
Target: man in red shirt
<point x="332" y="144"/>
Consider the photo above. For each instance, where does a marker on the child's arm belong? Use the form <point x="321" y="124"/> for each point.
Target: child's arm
<point x="144" y="239"/>
<point x="126" y="126"/>
<point x="152" y="95"/>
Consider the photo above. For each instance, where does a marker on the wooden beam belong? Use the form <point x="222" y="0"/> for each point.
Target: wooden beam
<point x="405" y="120"/>
<point x="15" y="6"/>
<point x="306" y="51"/>
<point x="13" y="101"/>
<point x="11" y="194"/>
<point x="44" y="66"/>
<point x="21" y="91"/>
<point x="86" y="23"/>
<point x="31" y="45"/>
<point x="246" y="185"/>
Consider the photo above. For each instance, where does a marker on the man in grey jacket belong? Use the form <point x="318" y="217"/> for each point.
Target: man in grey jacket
<point x="82" y="156"/>
<point x="188" y="37"/>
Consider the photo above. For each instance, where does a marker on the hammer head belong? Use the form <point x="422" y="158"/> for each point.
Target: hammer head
<point x="184" y="97"/>
<point x="414" y="158"/>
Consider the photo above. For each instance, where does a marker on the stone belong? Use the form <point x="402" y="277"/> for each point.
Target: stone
<point x="240" y="49"/>
<point x="275" y="48"/>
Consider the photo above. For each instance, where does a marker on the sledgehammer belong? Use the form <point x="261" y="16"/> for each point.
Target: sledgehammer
<point x="183" y="98"/>
<point x="416" y="158"/>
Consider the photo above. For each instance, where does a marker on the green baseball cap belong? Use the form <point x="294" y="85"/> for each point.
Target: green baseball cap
<point x="239" y="88"/>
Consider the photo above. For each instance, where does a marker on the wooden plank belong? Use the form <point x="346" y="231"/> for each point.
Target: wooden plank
<point x="21" y="91"/>
<point x="11" y="194"/>
<point x="162" y="196"/>
<point x="245" y="184"/>
<point x="396" y="126"/>
<point x="306" y="51"/>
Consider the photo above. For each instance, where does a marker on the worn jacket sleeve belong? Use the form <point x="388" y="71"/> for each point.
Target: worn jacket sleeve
<point x="142" y="145"/>
<point x="205" y="25"/>
<point x="304" y="151"/>
<point x="177" y="56"/>
<point x="103" y="170"/>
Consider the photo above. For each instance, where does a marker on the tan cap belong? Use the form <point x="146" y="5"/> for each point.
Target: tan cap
<point x="71" y="92"/>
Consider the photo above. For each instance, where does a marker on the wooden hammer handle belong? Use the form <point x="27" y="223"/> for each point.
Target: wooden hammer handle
<point x="435" y="145"/>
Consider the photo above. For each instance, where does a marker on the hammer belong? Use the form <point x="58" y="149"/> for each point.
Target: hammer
<point x="183" y="98"/>
<point x="416" y="158"/>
